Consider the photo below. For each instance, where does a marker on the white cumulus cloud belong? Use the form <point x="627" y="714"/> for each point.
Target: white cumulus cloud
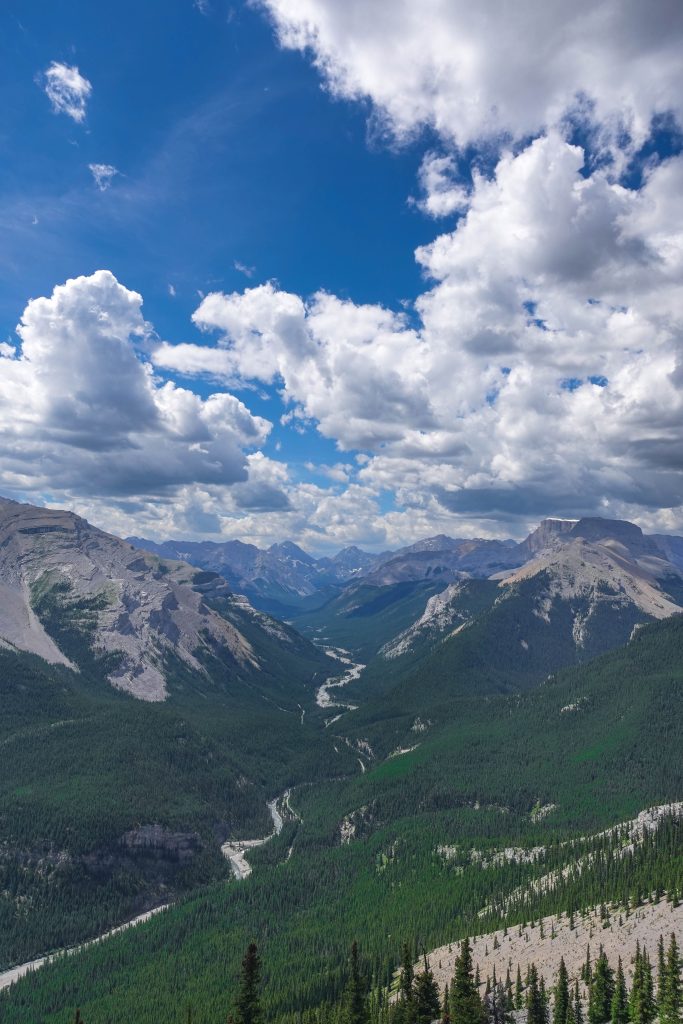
<point x="544" y="372"/>
<point x="481" y="70"/>
<point x="83" y="417"/>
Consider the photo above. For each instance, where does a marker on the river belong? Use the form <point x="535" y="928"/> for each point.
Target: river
<point x="352" y="672"/>
<point x="236" y="851"/>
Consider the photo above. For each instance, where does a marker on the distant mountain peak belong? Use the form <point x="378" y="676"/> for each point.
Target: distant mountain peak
<point x="289" y="549"/>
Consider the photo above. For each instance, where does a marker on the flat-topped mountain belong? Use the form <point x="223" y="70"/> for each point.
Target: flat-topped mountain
<point x="587" y="586"/>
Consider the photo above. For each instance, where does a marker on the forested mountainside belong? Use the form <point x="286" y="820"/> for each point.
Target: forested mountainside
<point x="413" y="849"/>
<point x="144" y="736"/>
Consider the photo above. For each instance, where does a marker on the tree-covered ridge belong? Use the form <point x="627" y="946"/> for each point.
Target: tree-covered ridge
<point x="86" y="773"/>
<point x="600" y="996"/>
<point x="474" y="782"/>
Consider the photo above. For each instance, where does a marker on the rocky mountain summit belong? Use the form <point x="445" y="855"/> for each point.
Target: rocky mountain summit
<point x="590" y="580"/>
<point x="124" y="603"/>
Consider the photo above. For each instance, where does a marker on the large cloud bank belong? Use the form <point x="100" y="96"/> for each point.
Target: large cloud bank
<point x="544" y="369"/>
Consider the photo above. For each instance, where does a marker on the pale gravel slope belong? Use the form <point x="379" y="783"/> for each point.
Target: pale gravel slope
<point x="644" y="925"/>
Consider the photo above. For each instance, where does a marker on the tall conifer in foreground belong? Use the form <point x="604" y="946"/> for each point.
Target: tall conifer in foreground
<point x="670" y="996"/>
<point x="355" y="1001"/>
<point x="601" y="991"/>
<point x="427" y="1004"/>
<point x="619" y="1014"/>
<point x="641" y="1004"/>
<point x="561" y="994"/>
<point x="248" y="1008"/>
<point x="466" y="1005"/>
<point x="534" y="999"/>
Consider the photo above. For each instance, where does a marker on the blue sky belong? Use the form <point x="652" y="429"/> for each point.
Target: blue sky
<point x="372" y="203"/>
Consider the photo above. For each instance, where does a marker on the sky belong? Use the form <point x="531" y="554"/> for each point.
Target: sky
<point x="342" y="271"/>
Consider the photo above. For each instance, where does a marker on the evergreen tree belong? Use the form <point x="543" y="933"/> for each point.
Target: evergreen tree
<point x="587" y="970"/>
<point x="601" y="991"/>
<point x="248" y="1008"/>
<point x="661" y="973"/>
<point x="355" y="1002"/>
<point x="534" y="1001"/>
<point x="497" y="1008"/>
<point x="619" y="1008"/>
<point x="571" y="1015"/>
<point x="578" y="1009"/>
<point x="641" y="1004"/>
<point x="519" y="988"/>
<point x="404" y="1009"/>
<point x="407" y="977"/>
<point x="670" y="995"/>
<point x="466" y="1005"/>
<point x="544" y="1001"/>
<point x="427" y="1004"/>
<point x="446" y="1005"/>
<point x="561" y="994"/>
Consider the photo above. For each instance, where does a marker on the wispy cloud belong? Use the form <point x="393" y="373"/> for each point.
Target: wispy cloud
<point x="244" y="269"/>
<point x="103" y="175"/>
<point x="68" y="90"/>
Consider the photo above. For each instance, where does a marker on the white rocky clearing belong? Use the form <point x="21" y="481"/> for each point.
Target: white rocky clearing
<point x="618" y="938"/>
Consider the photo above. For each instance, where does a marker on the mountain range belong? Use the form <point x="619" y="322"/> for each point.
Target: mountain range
<point x="285" y="580"/>
<point x="452" y="695"/>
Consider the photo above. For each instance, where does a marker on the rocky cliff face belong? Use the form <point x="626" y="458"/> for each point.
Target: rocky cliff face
<point x="129" y="603"/>
<point x="586" y="579"/>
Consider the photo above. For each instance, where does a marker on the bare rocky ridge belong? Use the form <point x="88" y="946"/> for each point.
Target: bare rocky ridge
<point x="601" y="572"/>
<point x="593" y="565"/>
<point x="145" y="606"/>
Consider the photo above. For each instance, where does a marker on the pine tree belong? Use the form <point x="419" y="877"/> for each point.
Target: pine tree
<point x="248" y="1008"/>
<point x="601" y="991"/>
<point x="519" y="998"/>
<point x="534" y="1002"/>
<point x="466" y="1006"/>
<point x="661" y="972"/>
<point x="641" y="1004"/>
<point x="427" y="1004"/>
<point x="587" y="970"/>
<point x="571" y="1015"/>
<point x="404" y="1010"/>
<point x="544" y="1001"/>
<point x="578" y="1009"/>
<point x="671" y="998"/>
<point x="561" y="994"/>
<point x="498" y="1009"/>
<point x="619" y="1008"/>
<point x="446" y="1005"/>
<point x="355" y="1001"/>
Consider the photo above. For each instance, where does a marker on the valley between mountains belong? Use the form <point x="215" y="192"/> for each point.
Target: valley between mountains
<point x="456" y="735"/>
